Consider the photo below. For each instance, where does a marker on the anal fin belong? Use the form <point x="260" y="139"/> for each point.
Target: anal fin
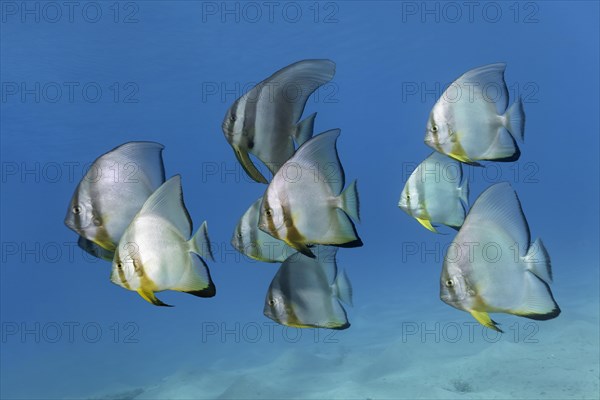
<point x="484" y="319"/>
<point x="302" y="248"/>
<point x="149" y="296"/>
<point x="427" y="224"/>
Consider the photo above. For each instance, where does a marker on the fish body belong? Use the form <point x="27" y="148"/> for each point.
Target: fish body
<point x="435" y="193"/>
<point x="304" y="204"/>
<point x="471" y="121"/>
<point x="256" y="244"/>
<point x="156" y="253"/>
<point x="265" y="121"/>
<point x="307" y="292"/>
<point x="491" y="266"/>
<point x="113" y="190"/>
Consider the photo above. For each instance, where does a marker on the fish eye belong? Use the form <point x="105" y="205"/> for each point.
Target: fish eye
<point x="239" y="235"/>
<point x="408" y="196"/>
<point x="76" y="210"/>
<point x="268" y="212"/>
<point x="434" y="128"/>
<point x="271" y="302"/>
<point x="449" y="283"/>
<point x="120" y="265"/>
<point x="232" y="117"/>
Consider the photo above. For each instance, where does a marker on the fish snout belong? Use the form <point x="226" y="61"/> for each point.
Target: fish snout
<point x="78" y="218"/>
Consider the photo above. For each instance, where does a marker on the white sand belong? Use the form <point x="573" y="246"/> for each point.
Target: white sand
<point x="559" y="361"/>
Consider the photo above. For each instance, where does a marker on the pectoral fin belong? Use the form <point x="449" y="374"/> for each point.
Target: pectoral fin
<point x="427" y="224"/>
<point x="149" y="296"/>
<point x="484" y="319"/>
<point x="244" y="159"/>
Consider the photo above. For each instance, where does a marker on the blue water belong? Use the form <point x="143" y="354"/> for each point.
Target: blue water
<point x="80" y="79"/>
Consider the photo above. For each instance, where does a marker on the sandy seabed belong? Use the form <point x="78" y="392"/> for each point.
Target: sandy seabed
<point x="412" y="358"/>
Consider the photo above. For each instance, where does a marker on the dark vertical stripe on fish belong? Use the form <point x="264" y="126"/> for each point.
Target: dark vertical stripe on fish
<point x="287" y="286"/>
<point x="269" y="215"/>
<point x="249" y="111"/>
<point x="292" y="233"/>
<point x="122" y="277"/>
<point x="436" y="139"/>
<point x="254" y="245"/>
<point x="146" y="283"/>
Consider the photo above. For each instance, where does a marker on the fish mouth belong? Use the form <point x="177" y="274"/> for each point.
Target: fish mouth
<point x="431" y="143"/>
<point x="71" y="224"/>
<point x="248" y="165"/>
<point x="451" y="301"/>
<point x="78" y="229"/>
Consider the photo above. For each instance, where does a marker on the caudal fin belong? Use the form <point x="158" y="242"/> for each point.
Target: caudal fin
<point x="304" y="129"/>
<point x="343" y="287"/>
<point x="537" y="261"/>
<point x="200" y="243"/>
<point x="197" y="280"/>
<point x="463" y="193"/>
<point x="350" y="202"/>
<point x="515" y="120"/>
<point x="538" y="301"/>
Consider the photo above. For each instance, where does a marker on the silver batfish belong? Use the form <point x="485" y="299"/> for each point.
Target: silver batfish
<point x="113" y="190"/>
<point x="156" y="253"/>
<point x="264" y="120"/>
<point x="256" y="244"/>
<point x="435" y="193"/>
<point x="471" y="122"/>
<point x="491" y="265"/>
<point x="305" y="203"/>
<point x="307" y="292"/>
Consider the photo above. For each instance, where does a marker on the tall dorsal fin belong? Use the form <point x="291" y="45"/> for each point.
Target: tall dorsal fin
<point x="167" y="202"/>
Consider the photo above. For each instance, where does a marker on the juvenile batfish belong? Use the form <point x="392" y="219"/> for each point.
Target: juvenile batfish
<point x="306" y="292"/>
<point x="155" y="254"/>
<point x="491" y="266"/>
<point x="264" y="120"/>
<point x="471" y="122"/>
<point x="434" y="194"/>
<point x="113" y="190"/>
<point x="304" y="203"/>
<point x="256" y="244"/>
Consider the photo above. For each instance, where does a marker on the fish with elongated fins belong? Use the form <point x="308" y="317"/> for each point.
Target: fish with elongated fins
<point x="491" y="265"/>
<point x="112" y="191"/>
<point x="308" y="292"/>
<point x="156" y="253"/>
<point x="472" y="122"/>
<point x="435" y="193"/>
<point x="256" y="244"/>
<point x="306" y="203"/>
<point x="265" y="121"/>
